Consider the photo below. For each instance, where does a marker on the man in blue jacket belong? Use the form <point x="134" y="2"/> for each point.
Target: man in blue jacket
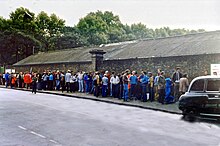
<point x="144" y="82"/>
<point x="7" y="79"/>
<point x="133" y="81"/>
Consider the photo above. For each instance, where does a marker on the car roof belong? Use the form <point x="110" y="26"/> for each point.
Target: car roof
<point x="207" y="77"/>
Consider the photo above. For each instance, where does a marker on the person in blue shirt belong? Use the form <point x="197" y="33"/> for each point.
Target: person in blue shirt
<point x="87" y="82"/>
<point x="168" y="97"/>
<point x="7" y="79"/>
<point x="133" y="81"/>
<point x="104" y="85"/>
<point x="144" y="82"/>
<point x="50" y="81"/>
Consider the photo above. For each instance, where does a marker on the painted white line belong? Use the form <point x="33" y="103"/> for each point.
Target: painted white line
<point x="53" y="141"/>
<point x="32" y="132"/>
<point x="21" y="127"/>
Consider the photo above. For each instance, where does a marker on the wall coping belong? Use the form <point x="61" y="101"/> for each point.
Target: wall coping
<point x="50" y="63"/>
<point x="156" y="57"/>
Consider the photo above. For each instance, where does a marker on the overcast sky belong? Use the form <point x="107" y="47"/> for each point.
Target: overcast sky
<point x="190" y="14"/>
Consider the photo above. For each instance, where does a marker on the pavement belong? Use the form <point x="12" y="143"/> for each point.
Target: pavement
<point x="169" y="108"/>
<point x="55" y="120"/>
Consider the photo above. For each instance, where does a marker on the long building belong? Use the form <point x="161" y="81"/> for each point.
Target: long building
<point x="194" y="53"/>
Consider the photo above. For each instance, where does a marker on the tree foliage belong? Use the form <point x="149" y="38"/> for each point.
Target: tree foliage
<point x="26" y="31"/>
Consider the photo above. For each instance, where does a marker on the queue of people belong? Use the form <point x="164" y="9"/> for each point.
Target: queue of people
<point x="128" y="85"/>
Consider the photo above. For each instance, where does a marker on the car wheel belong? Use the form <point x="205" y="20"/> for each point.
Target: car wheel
<point x="190" y="114"/>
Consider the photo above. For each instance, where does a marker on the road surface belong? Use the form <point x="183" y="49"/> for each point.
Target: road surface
<point x="27" y="119"/>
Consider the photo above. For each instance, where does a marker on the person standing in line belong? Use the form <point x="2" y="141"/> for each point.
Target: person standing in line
<point x="13" y="80"/>
<point x="27" y="77"/>
<point x="67" y="80"/>
<point x="34" y="83"/>
<point x="184" y="84"/>
<point x="115" y="86"/>
<point x="50" y="81"/>
<point x="156" y="95"/>
<point x="57" y="78"/>
<point x="125" y="86"/>
<point x="62" y="81"/>
<point x="175" y="79"/>
<point x="133" y="82"/>
<point x="72" y="78"/>
<point x="104" y="85"/>
<point x="44" y="77"/>
<point x="7" y="79"/>
<point x="87" y="82"/>
<point x="97" y="82"/>
<point x="151" y="86"/>
<point x="121" y="91"/>
<point x="3" y="78"/>
<point x="161" y="87"/>
<point x="80" y="81"/>
<point x="144" y="82"/>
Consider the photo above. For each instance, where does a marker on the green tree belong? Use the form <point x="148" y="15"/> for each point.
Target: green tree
<point x="101" y="28"/>
<point x="49" y="29"/>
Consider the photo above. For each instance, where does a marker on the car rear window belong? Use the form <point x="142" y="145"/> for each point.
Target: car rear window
<point x="213" y="85"/>
<point x="198" y="85"/>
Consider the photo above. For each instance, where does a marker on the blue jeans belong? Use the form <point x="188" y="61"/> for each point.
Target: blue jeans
<point x="104" y="90"/>
<point x="58" y="85"/>
<point x="87" y="87"/>
<point x="125" y="93"/>
<point x="80" y="85"/>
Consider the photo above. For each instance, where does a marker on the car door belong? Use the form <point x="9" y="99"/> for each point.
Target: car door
<point x="213" y="92"/>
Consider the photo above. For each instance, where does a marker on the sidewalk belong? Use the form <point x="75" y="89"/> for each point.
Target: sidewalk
<point x="169" y="108"/>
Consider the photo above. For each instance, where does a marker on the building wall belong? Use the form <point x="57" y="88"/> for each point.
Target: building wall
<point x="194" y="65"/>
<point x="76" y="66"/>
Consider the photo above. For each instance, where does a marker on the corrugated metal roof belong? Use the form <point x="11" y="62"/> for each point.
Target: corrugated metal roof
<point x="191" y="44"/>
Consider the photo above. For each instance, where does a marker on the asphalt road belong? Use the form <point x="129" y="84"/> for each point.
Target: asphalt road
<point x="27" y="119"/>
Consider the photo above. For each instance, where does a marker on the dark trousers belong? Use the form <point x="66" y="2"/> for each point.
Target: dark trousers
<point x="151" y="93"/>
<point x="50" y="84"/>
<point x="161" y="95"/>
<point x="71" y="87"/>
<point x="34" y="87"/>
<point x="62" y="83"/>
<point x="144" y="93"/>
<point x="67" y="86"/>
<point x="97" y="90"/>
<point x="44" y="85"/>
<point x="121" y="91"/>
<point x="133" y="90"/>
<point x="115" y="90"/>
<point x="176" y="91"/>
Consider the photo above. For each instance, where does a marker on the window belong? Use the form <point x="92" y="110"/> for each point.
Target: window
<point x="198" y="85"/>
<point x="213" y="85"/>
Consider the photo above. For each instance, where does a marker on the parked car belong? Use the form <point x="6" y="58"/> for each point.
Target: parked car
<point x="202" y="97"/>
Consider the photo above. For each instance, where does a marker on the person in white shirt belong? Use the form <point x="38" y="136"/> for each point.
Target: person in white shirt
<point x="67" y="80"/>
<point x="80" y="81"/>
<point x="115" y="86"/>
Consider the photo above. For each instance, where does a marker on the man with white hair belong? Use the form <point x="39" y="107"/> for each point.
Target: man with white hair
<point x="67" y="80"/>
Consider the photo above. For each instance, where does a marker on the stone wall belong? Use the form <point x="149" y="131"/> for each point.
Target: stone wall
<point x="74" y="66"/>
<point x="194" y="65"/>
